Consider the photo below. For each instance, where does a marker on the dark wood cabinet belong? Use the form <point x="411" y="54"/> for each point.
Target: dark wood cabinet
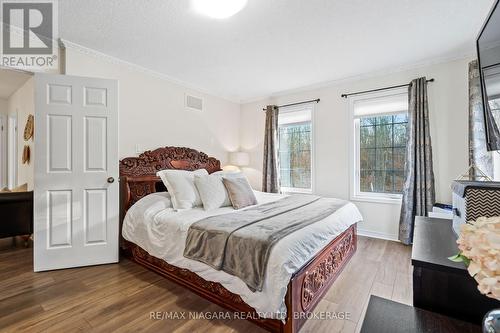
<point x="439" y="284"/>
<point x="386" y="316"/>
<point x="16" y="214"/>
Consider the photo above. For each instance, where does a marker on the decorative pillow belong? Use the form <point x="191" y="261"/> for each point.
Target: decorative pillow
<point x="212" y="191"/>
<point x="180" y="185"/>
<point x="240" y="192"/>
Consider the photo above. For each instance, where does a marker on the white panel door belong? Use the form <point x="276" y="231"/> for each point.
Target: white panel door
<point x="76" y="171"/>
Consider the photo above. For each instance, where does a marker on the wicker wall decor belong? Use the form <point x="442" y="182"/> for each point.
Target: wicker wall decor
<point x="26" y="154"/>
<point x="29" y="128"/>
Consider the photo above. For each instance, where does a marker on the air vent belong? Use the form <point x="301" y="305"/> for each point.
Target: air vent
<point x="194" y="103"/>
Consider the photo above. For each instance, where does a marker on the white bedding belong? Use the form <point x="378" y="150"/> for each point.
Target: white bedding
<point x="162" y="233"/>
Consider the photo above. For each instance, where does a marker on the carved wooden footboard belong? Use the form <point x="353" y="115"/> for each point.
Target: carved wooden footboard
<point x="314" y="279"/>
<point x="307" y="286"/>
<point x="305" y="290"/>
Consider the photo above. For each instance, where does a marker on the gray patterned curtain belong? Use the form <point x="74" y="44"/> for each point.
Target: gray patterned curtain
<point x="270" y="170"/>
<point x="478" y="154"/>
<point x="418" y="191"/>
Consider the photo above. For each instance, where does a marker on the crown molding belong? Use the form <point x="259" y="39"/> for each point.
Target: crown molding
<point x="365" y="76"/>
<point x="117" y="61"/>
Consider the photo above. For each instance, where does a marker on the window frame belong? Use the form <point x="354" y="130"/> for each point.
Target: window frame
<point x="354" y="149"/>
<point x="296" y="108"/>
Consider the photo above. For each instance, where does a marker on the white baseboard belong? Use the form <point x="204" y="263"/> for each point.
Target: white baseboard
<point x="376" y="234"/>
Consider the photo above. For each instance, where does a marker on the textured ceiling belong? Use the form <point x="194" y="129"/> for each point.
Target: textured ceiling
<point x="274" y="46"/>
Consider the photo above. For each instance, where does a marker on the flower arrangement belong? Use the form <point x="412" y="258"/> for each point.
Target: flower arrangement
<point x="479" y="244"/>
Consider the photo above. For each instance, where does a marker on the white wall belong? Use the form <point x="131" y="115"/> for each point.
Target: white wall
<point x="3" y="106"/>
<point x="22" y="102"/>
<point x="152" y="115"/>
<point x="448" y="106"/>
<point x="152" y="112"/>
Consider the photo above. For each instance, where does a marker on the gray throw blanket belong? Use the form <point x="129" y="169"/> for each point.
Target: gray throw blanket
<point x="239" y="243"/>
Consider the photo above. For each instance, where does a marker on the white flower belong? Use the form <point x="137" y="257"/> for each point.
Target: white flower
<point x="479" y="241"/>
<point x="473" y="268"/>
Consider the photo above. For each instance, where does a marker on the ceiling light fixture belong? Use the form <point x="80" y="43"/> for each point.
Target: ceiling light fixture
<point x="219" y="9"/>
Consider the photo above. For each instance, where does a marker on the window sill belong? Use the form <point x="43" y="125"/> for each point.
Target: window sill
<point x="291" y="190"/>
<point x="394" y="200"/>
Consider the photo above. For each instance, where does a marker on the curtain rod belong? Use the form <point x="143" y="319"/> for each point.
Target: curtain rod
<point x="379" y="89"/>
<point x="298" y="103"/>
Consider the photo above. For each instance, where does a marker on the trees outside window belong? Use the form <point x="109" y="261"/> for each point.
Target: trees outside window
<point x="295" y="148"/>
<point x="295" y="155"/>
<point x="382" y="149"/>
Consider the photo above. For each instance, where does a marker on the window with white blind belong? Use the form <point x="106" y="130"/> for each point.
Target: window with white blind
<point x="379" y="145"/>
<point x="295" y="148"/>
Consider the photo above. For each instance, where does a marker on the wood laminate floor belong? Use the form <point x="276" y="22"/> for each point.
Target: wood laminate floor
<point x="121" y="297"/>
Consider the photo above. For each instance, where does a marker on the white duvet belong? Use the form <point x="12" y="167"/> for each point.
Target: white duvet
<point x="162" y="232"/>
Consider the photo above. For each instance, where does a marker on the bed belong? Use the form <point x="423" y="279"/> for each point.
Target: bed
<point x="153" y="237"/>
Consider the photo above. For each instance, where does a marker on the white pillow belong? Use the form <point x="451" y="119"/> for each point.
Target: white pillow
<point x="212" y="191"/>
<point x="163" y="199"/>
<point x="180" y="185"/>
<point x="155" y="201"/>
<point x="228" y="173"/>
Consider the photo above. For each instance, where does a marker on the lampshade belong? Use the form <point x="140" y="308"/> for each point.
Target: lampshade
<point x="239" y="158"/>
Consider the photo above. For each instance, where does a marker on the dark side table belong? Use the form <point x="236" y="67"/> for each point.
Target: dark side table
<point x="386" y="316"/>
<point x="439" y="284"/>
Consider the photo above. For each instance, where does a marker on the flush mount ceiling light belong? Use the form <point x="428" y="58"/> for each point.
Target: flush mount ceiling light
<point x="219" y="9"/>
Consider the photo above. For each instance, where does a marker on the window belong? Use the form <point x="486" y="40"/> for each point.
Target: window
<point x="379" y="149"/>
<point x="382" y="142"/>
<point x="295" y="149"/>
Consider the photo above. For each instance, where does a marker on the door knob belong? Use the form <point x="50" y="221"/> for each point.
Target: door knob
<point x="111" y="180"/>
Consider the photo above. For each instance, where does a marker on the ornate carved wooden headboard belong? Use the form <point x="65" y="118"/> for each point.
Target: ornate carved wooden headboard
<point x="138" y="174"/>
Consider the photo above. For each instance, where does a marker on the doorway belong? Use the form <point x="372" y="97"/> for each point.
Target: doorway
<point x="16" y="103"/>
<point x="3" y="151"/>
<point x="12" y="151"/>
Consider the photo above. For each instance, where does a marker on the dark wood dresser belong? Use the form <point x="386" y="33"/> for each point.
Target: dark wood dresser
<point x="441" y="285"/>
<point x="16" y="213"/>
<point x="386" y="316"/>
